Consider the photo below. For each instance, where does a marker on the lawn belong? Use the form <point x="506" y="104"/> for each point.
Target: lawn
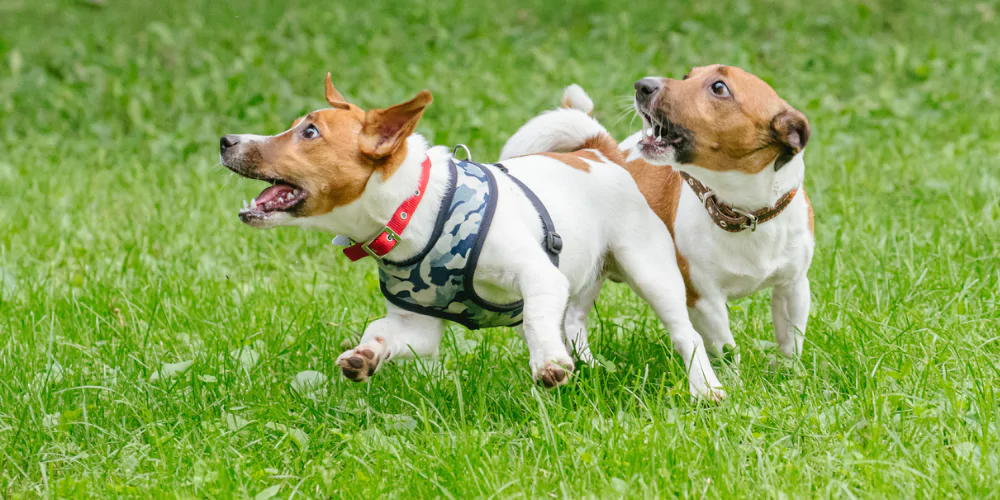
<point x="121" y="256"/>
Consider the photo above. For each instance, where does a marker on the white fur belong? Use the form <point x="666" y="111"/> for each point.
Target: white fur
<point x="557" y="130"/>
<point x="607" y="229"/>
<point x="576" y="98"/>
<point x="724" y="265"/>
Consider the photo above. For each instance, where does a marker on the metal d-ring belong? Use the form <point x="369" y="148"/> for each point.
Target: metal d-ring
<point x="468" y="154"/>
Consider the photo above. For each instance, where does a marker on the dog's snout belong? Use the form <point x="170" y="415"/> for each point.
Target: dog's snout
<point x="646" y="88"/>
<point x="227" y="142"/>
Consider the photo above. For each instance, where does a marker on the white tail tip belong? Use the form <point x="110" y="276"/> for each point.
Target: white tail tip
<point x="574" y="97"/>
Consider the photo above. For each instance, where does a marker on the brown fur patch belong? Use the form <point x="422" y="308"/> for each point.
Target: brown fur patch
<point x="682" y="264"/>
<point x="730" y="133"/>
<point x="662" y="188"/>
<point x="331" y="168"/>
<point x="572" y="159"/>
<point x="602" y="143"/>
<point x="385" y="130"/>
<point x="607" y="146"/>
<point x="334" y="98"/>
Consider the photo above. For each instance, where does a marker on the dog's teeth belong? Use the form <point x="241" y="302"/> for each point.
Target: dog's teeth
<point x="649" y="132"/>
<point x="245" y="204"/>
<point x="253" y="203"/>
<point x="659" y="138"/>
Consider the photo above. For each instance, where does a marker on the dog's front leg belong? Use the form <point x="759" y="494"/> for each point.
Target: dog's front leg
<point x="711" y="318"/>
<point x="789" y="313"/>
<point x="545" y="291"/>
<point x="401" y="334"/>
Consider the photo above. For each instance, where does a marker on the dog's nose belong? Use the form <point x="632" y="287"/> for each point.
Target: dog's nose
<point x="645" y="88"/>
<point x="227" y="142"/>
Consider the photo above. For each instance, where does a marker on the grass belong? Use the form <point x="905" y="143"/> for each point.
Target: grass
<point x="120" y="252"/>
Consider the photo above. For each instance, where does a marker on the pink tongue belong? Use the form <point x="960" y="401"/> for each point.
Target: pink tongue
<point x="273" y="193"/>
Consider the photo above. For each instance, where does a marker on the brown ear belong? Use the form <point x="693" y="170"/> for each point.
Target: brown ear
<point x="791" y="132"/>
<point x="333" y="97"/>
<point x="385" y="130"/>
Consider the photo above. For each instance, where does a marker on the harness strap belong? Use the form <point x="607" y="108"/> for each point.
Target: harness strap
<point x="552" y="241"/>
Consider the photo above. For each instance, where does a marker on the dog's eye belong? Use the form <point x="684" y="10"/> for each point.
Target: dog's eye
<point x="310" y="132"/>
<point x="720" y="89"/>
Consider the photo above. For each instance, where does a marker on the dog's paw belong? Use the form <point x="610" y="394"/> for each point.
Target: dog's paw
<point x="358" y="364"/>
<point x="553" y="374"/>
<point x="712" y="394"/>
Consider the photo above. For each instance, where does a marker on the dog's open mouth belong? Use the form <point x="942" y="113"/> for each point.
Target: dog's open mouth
<point x="659" y="134"/>
<point x="281" y="196"/>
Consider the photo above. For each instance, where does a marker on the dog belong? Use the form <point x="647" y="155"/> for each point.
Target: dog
<point x="530" y="240"/>
<point x="720" y="160"/>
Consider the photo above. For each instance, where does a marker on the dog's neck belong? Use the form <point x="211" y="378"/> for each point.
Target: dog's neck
<point x="751" y="191"/>
<point x="364" y="218"/>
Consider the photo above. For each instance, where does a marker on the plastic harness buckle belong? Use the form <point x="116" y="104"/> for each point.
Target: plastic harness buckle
<point x="554" y="242"/>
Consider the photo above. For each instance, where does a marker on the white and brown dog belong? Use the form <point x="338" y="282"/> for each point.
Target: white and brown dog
<point x="367" y="175"/>
<point x="719" y="159"/>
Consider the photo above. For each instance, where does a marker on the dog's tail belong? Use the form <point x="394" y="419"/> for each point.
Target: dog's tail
<point x="570" y="128"/>
<point x="574" y="97"/>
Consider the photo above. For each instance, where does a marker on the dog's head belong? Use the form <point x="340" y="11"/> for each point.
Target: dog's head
<point x="324" y="160"/>
<point x="719" y="118"/>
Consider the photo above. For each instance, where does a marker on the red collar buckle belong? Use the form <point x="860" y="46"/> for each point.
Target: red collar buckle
<point x="387" y="235"/>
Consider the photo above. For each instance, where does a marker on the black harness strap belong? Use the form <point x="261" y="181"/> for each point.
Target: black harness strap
<point x="552" y="242"/>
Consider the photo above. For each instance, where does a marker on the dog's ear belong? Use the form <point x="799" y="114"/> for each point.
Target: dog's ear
<point x="333" y="97"/>
<point x="790" y="129"/>
<point x="385" y="130"/>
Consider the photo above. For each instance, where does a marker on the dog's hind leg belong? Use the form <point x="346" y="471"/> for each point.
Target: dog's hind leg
<point x="645" y="257"/>
<point x="401" y="334"/>
<point x="546" y="292"/>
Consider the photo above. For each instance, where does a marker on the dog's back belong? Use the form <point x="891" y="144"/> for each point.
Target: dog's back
<point x="571" y="128"/>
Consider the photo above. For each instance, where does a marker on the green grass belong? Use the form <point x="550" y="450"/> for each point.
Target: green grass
<point x="120" y="251"/>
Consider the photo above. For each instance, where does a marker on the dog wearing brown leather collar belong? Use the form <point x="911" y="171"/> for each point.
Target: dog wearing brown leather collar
<point x="720" y="160"/>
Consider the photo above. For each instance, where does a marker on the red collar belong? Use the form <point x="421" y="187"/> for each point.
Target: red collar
<point x="385" y="241"/>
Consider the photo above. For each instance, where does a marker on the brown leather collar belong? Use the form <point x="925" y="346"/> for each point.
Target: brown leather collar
<point x="732" y="219"/>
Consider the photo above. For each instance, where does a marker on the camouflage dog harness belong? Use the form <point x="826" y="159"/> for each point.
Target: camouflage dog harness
<point x="438" y="281"/>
